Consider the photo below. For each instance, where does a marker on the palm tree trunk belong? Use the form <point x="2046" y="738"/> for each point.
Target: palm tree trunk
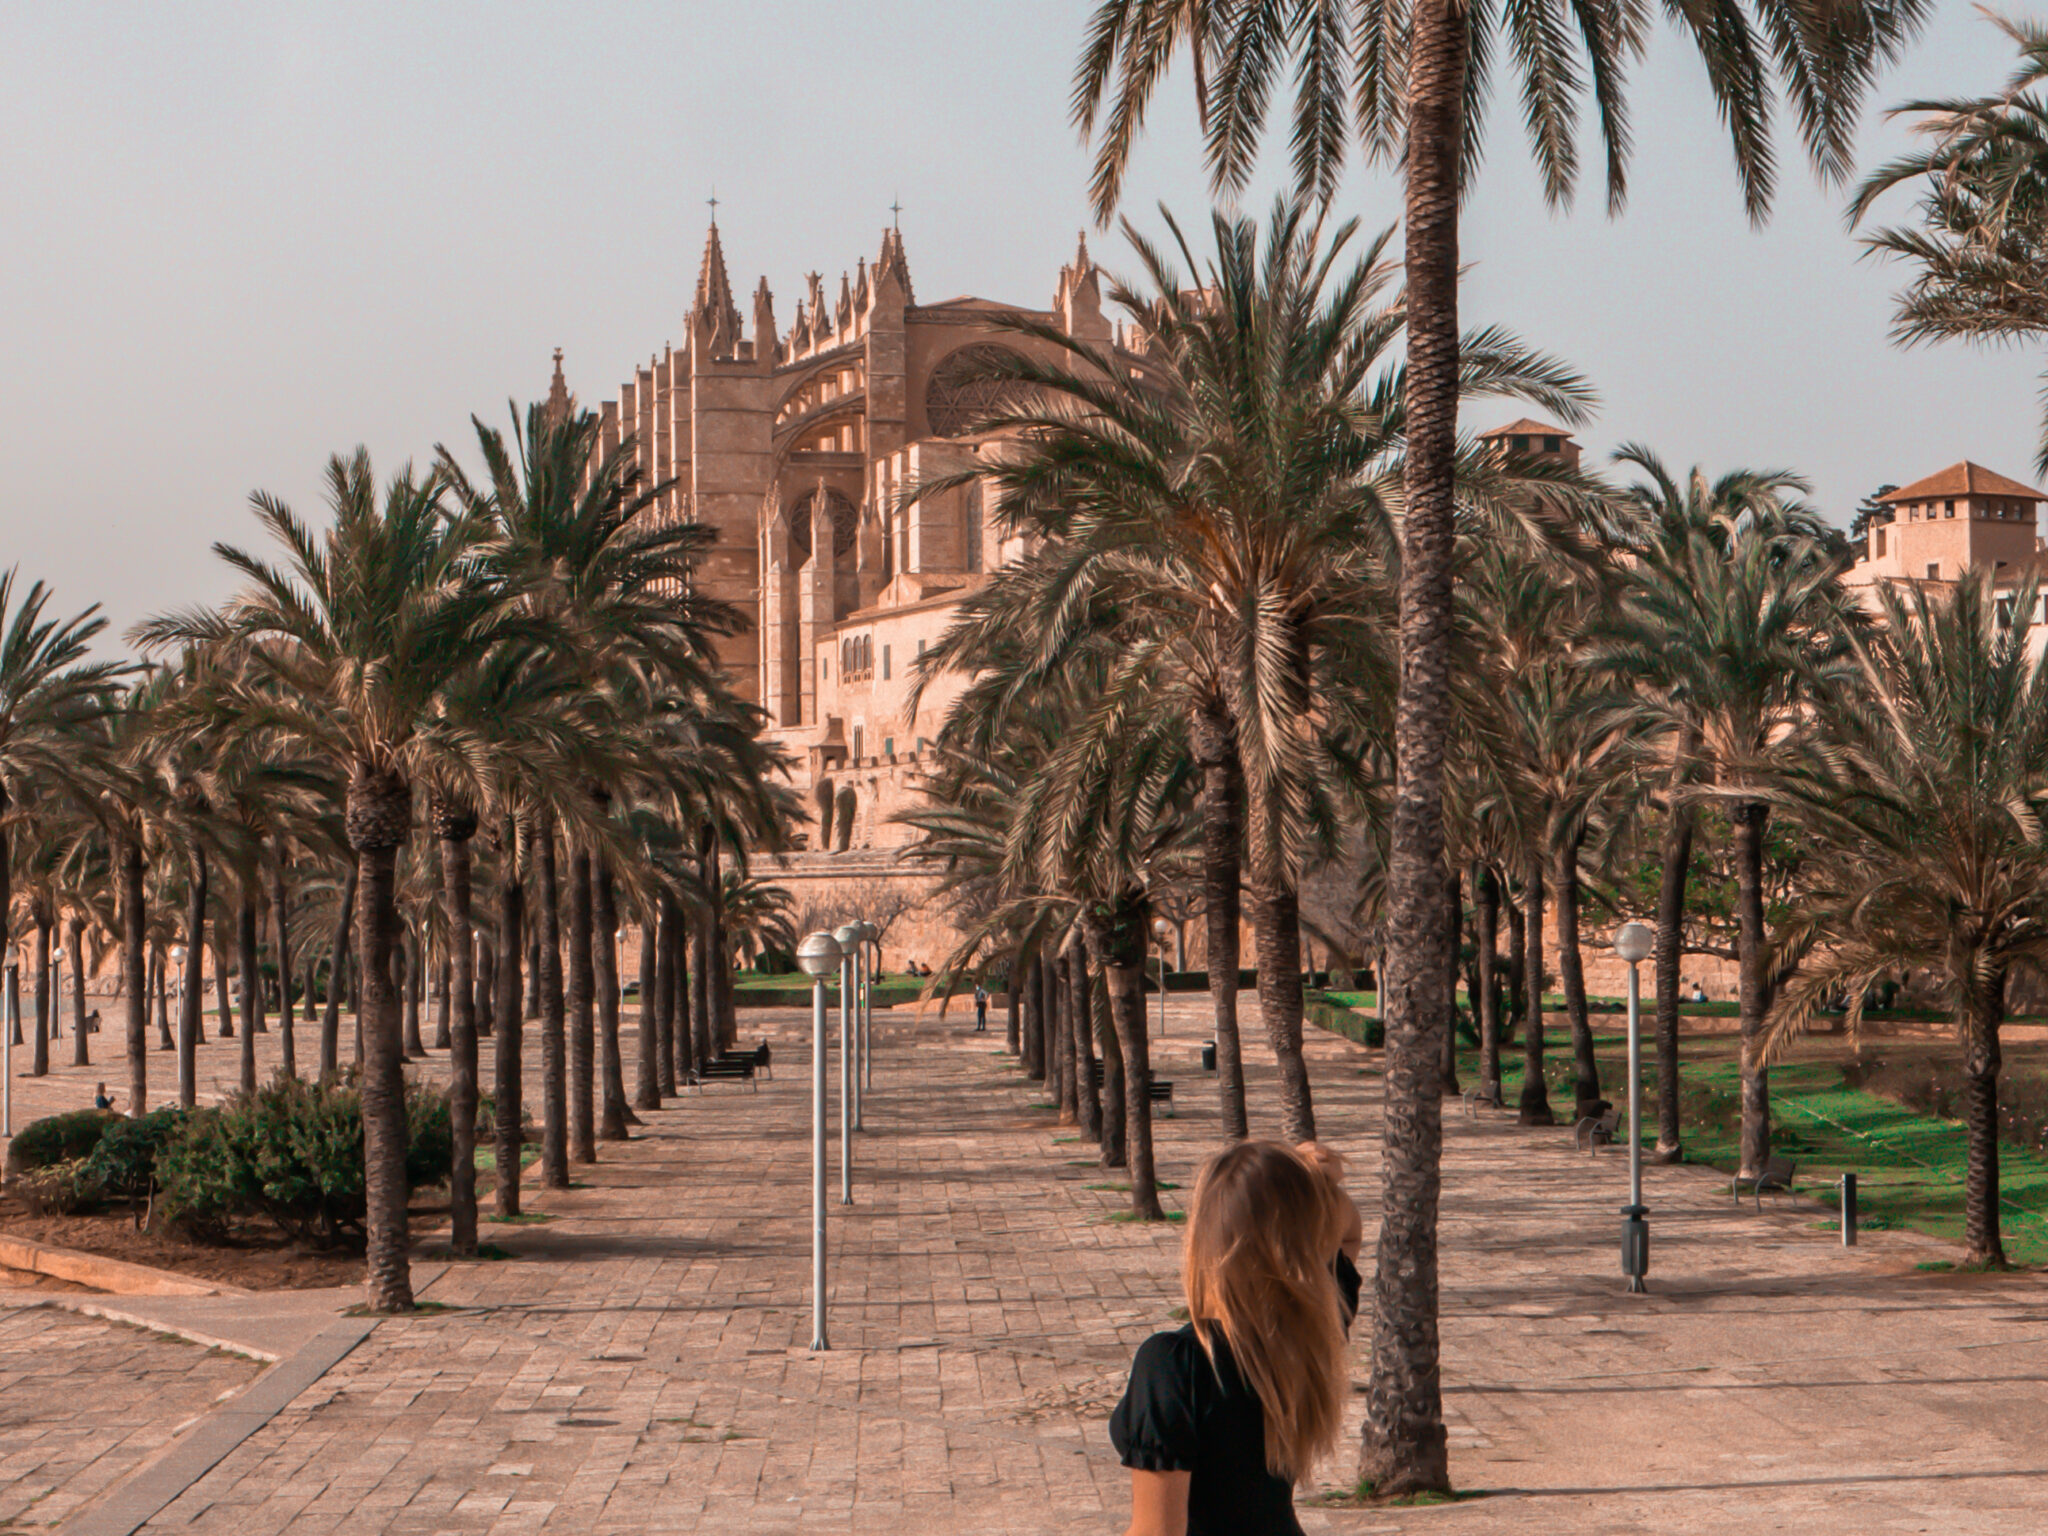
<point x="483" y="1004"/>
<point x="1678" y="826"/>
<point x="1115" y="1105"/>
<point x="532" y="994"/>
<point x="1013" y="1001"/>
<point x="1276" y="935"/>
<point x="46" y="1002"/>
<point x="160" y="996"/>
<point x="1069" y="1096"/>
<point x="1454" y="916"/>
<point x="684" y="1031"/>
<point x="582" y="1012"/>
<point x="411" y="955"/>
<point x="1080" y="1004"/>
<point x="379" y="818"/>
<point x="74" y="946"/>
<point x="1982" y="1242"/>
<point x="444" y="986"/>
<point x="337" y="971"/>
<point x="193" y="1000"/>
<point x="251" y="977"/>
<point x="605" y="964"/>
<point x="1534" y="1105"/>
<point x="1404" y="1446"/>
<point x="1754" y="961"/>
<point x="665" y="981"/>
<point x="1120" y="940"/>
<point x="727" y="1031"/>
<point x="1222" y="812"/>
<point x="1586" y="1070"/>
<point x="554" y="1085"/>
<point x="134" y="947"/>
<point x="1518" y="972"/>
<point x="704" y="937"/>
<point x="506" y="1082"/>
<point x="1486" y="933"/>
<point x="223" y="989"/>
<point x="1034" y="1022"/>
<point x="647" y="1053"/>
<point x="456" y="829"/>
<point x="280" y="919"/>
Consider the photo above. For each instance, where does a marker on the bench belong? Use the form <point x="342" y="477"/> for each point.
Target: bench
<point x="759" y="1056"/>
<point x="1596" y="1131"/>
<point x="1776" y="1174"/>
<point x="1487" y="1095"/>
<point x="724" y="1069"/>
<point x="1159" y="1090"/>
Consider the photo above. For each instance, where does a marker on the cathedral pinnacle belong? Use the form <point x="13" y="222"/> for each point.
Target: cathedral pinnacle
<point x="558" y="392"/>
<point x="714" y="313"/>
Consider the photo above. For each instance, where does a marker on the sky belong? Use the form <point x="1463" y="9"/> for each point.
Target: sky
<point x="235" y="239"/>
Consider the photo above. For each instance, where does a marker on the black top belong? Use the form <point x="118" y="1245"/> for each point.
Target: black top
<point x="1181" y="1413"/>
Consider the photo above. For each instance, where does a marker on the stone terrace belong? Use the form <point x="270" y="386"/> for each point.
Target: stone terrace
<point x="641" y="1364"/>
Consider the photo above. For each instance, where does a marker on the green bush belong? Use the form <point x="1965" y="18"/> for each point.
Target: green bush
<point x="61" y="1189"/>
<point x="60" y="1138"/>
<point x="292" y="1152"/>
<point x="124" y="1162"/>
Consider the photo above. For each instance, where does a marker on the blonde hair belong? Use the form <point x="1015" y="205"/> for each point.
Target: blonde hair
<point x="1256" y="1267"/>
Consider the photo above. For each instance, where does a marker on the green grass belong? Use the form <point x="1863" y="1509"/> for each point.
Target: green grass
<point x="1122" y="1216"/>
<point x="487" y="1157"/>
<point x="523" y="1219"/>
<point x="1909" y="1166"/>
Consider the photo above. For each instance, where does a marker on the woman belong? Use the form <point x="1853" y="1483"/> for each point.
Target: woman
<point x="1224" y="1417"/>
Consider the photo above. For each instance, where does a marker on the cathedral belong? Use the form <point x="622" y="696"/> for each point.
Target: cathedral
<point x="799" y="447"/>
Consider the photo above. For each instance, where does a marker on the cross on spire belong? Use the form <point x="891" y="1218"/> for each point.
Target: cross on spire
<point x="896" y="213"/>
<point x="713" y="201"/>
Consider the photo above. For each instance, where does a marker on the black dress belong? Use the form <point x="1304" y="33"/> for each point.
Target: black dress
<point x="1183" y="1413"/>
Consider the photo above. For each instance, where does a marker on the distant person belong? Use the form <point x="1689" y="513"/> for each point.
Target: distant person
<point x="1699" y="993"/>
<point x="100" y="1099"/>
<point x="980" y="1009"/>
<point x="1223" y="1418"/>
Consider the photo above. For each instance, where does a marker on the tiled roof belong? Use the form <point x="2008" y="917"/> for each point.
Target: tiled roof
<point x="1525" y="426"/>
<point x="1964" y="479"/>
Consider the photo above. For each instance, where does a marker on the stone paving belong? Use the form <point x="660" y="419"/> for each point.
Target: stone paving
<point x="84" y="1402"/>
<point x="641" y="1364"/>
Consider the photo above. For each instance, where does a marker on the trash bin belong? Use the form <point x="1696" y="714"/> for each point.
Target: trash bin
<point x="1209" y="1057"/>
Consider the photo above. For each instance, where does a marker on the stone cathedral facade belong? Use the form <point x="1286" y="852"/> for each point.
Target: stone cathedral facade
<point x="797" y="444"/>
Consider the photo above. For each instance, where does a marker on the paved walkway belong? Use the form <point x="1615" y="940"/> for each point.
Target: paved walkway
<point x="641" y="1364"/>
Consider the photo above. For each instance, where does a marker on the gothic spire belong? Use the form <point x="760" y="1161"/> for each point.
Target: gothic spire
<point x="558" y="393"/>
<point x="714" y="312"/>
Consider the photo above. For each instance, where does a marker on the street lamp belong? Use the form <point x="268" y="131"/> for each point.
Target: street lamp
<point x="9" y="1005"/>
<point x="1162" y="930"/>
<point x="1633" y="942"/>
<point x="849" y="937"/>
<point x="818" y="955"/>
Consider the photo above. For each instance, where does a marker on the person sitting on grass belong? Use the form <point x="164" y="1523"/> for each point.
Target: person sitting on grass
<point x="1223" y="1418"/>
<point x="100" y="1098"/>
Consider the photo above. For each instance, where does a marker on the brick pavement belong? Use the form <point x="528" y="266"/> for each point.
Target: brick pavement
<point x="641" y="1365"/>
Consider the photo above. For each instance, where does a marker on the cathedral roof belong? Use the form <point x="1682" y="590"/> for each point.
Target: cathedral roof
<point x="1964" y="479"/>
<point x="1524" y="427"/>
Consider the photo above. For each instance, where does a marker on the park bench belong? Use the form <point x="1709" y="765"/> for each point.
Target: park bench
<point x="1486" y="1095"/>
<point x="1776" y="1174"/>
<point x="759" y="1056"/>
<point x="724" y="1069"/>
<point x="1596" y="1131"/>
<point x="1159" y="1090"/>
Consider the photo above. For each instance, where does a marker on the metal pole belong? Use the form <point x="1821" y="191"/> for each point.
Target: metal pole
<point x="1636" y="1235"/>
<point x="818" y="1339"/>
<point x="1162" y="994"/>
<point x="1848" y="1210"/>
<point x="860" y="1028"/>
<point x="12" y="979"/>
<point x="846" y="970"/>
<point x="867" y="1008"/>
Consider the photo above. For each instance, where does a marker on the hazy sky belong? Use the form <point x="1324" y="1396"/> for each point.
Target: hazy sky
<point x="238" y="238"/>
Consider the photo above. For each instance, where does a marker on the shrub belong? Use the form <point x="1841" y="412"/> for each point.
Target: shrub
<point x="292" y="1152"/>
<point x="59" y="1138"/>
<point x="61" y="1189"/>
<point x="124" y="1162"/>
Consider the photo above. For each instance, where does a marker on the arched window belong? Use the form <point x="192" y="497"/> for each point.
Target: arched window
<point x="968" y="388"/>
<point x="845" y="524"/>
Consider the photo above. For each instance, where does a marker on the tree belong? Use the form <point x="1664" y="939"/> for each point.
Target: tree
<point x="1980" y="247"/>
<point x="1738" y="630"/>
<point x="1423" y="106"/>
<point x="347" y="648"/>
<point x="1926" y="812"/>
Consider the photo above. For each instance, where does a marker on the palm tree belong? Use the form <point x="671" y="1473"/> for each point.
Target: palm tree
<point x="1981" y="244"/>
<point x="1423" y="106"/>
<point x="1926" y="810"/>
<point x="1741" y="629"/>
<point x="1658" y="520"/>
<point x="347" y="648"/>
<point x="1225" y="513"/>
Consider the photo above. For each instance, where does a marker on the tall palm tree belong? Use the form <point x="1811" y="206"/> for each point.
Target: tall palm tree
<point x="347" y="647"/>
<point x="1980" y="247"/>
<point x="1224" y="510"/>
<point x="1411" y="81"/>
<point x="1742" y="630"/>
<point x="1927" y="810"/>
<point x="1662" y="521"/>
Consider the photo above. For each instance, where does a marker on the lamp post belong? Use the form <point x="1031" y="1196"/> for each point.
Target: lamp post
<point x="848" y="936"/>
<point x="869" y="956"/>
<point x="1633" y="942"/>
<point x="1162" y="930"/>
<point x="13" y="990"/>
<point x="819" y="957"/>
